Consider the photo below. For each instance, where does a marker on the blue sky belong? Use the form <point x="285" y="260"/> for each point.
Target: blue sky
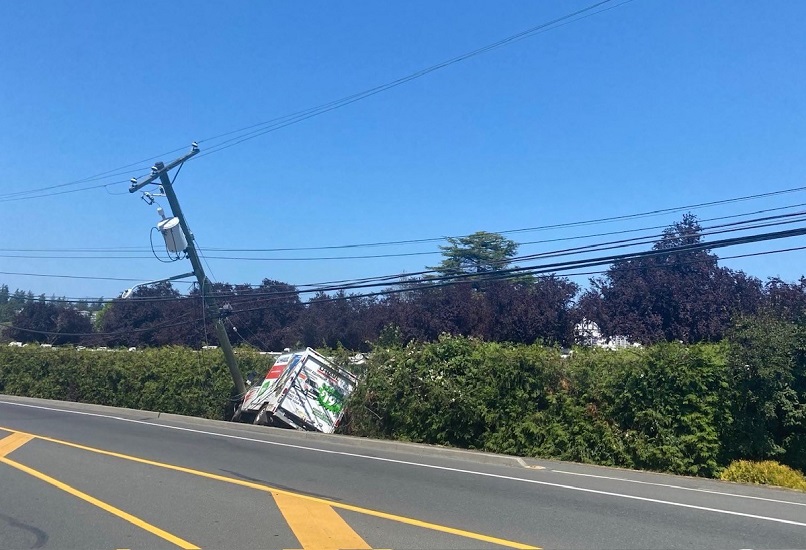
<point x="647" y="106"/>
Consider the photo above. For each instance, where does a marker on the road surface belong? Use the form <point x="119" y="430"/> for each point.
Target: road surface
<point x="84" y="476"/>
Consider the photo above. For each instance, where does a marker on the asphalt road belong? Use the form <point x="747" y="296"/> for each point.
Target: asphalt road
<point x="82" y="476"/>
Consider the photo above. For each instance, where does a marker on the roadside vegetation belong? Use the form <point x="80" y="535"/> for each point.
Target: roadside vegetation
<point x="670" y="407"/>
<point x="171" y="379"/>
<point x="684" y="409"/>
<point x="766" y="472"/>
<point x="716" y="388"/>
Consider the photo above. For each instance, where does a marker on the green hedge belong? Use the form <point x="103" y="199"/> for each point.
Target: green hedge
<point x="172" y="379"/>
<point x="682" y="409"/>
<point x="660" y="408"/>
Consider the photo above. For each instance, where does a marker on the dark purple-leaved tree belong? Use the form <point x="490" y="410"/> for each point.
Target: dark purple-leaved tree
<point x="46" y="322"/>
<point x="530" y="312"/>
<point x="155" y="315"/>
<point x="675" y="295"/>
<point x="263" y="316"/>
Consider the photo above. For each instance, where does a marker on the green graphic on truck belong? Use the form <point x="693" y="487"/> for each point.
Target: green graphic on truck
<point x="331" y="399"/>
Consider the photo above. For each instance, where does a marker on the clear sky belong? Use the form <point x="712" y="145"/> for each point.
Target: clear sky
<point x="647" y="106"/>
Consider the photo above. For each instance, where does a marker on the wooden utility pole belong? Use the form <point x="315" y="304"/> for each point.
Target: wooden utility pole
<point x="160" y="171"/>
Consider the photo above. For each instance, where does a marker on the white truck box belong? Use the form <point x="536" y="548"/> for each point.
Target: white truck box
<point x="301" y="390"/>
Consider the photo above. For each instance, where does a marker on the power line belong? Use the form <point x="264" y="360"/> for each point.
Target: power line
<point x="255" y="130"/>
<point x="565" y="225"/>
<point x="71" y="277"/>
<point x="104" y="175"/>
<point x="510" y="231"/>
<point x="514" y="272"/>
<point x="245" y="341"/>
<point x="625" y="243"/>
<point x="4" y="198"/>
<point x="553" y="268"/>
<point x="167" y="324"/>
<point x="638" y="240"/>
<point x="421" y="288"/>
<point x="608" y="245"/>
<point x="122" y="250"/>
<point x="758" y="223"/>
<point x="259" y="129"/>
<point x="404" y="290"/>
<point x="504" y="276"/>
<point x="380" y="293"/>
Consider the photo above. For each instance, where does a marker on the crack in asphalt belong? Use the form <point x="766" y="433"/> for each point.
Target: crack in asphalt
<point x="283" y="487"/>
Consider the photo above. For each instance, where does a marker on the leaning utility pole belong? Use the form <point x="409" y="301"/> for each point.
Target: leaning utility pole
<point x="160" y="171"/>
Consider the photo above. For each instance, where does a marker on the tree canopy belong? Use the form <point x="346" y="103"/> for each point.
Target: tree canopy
<point x="675" y="294"/>
<point x="481" y="252"/>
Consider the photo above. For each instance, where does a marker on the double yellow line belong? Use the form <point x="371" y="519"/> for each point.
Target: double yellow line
<point x="18" y="439"/>
<point x="313" y="520"/>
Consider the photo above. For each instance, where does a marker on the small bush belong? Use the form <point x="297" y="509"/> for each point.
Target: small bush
<point x="767" y="472"/>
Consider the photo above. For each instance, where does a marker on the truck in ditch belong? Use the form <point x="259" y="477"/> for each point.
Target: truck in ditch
<point x="302" y="390"/>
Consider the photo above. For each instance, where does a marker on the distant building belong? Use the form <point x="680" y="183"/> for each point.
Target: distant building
<point x="587" y="333"/>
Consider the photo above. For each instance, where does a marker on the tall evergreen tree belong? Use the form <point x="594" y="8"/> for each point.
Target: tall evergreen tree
<point x="479" y="253"/>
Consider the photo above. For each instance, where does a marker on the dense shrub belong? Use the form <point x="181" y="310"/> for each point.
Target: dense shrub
<point x="172" y="379"/>
<point x="671" y="403"/>
<point x="662" y="408"/>
<point x="767" y="472"/>
<point x="768" y="371"/>
<point x="669" y="407"/>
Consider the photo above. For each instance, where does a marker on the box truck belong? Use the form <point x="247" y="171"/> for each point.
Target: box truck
<point x="302" y="390"/>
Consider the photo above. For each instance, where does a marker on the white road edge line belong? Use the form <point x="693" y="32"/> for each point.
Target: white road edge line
<point x="430" y="466"/>
<point x="668" y="486"/>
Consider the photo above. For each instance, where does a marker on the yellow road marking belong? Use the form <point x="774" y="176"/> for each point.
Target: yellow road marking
<point x="13" y="442"/>
<point x="328" y="531"/>
<point x="268" y="489"/>
<point x="102" y="505"/>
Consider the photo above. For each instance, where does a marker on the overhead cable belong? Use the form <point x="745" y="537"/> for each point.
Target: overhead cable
<point x="122" y="254"/>
<point x="514" y="272"/>
<point x="255" y="130"/>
